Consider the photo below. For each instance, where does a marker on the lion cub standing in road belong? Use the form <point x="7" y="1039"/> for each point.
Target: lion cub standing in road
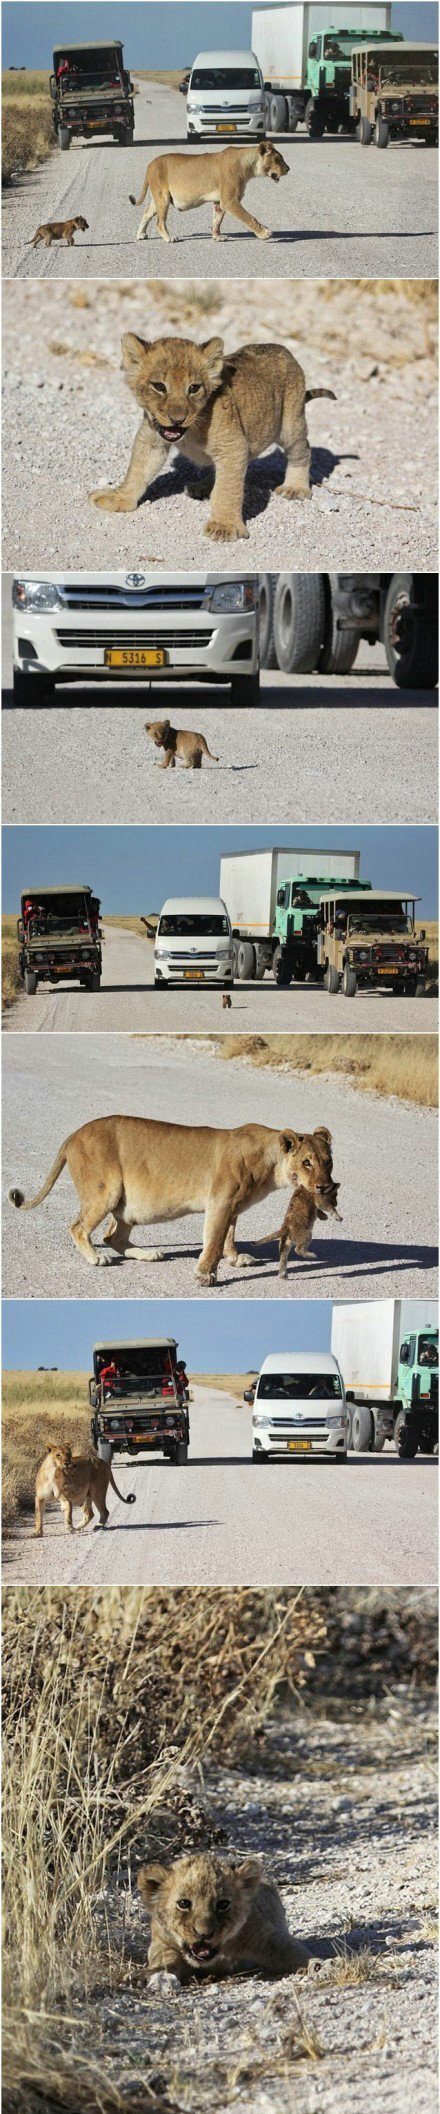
<point x="75" y="1480"/>
<point x="185" y="180"/>
<point x="58" y="231"/>
<point x="211" y="1918"/>
<point x="190" y="748"/>
<point x="219" y="408"/>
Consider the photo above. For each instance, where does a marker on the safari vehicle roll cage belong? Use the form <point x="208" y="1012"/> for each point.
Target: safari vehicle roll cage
<point x="42" y="896"/>
<point x="138" y="1407"/>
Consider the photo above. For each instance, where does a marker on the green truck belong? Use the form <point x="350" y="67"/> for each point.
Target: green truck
<point x="273" y="900"/>
<point x="387" y="1350"/>
<point x="305" y="60"/>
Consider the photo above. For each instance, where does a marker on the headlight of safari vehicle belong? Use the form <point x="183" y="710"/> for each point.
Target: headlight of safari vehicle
<point x="35" y="594"/>
<point x="233" y="594"/>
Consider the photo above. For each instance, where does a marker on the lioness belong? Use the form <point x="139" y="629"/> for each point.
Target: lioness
<point x="142" y="1172"/>
<point x="213" y="1918"/>
<point x="58" y="231"/>
<point x="76" y="1480"/>
<point x="220" y="409"/>
<point x="190" y="748"/>
<point x="185" y="180"/>
<point x="297" y="1226"/>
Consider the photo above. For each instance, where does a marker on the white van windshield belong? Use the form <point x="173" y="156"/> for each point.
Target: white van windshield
<point x="177" y="925"/>
<point x="215" y="79"/>
<point x="290" y="1386"/>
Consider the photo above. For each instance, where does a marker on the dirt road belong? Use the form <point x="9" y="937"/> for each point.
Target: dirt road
<point x="333" y="213"/>
<point x="385" y="1246"/>
<point x="128" y="999"/>
<point x="220" y="1518"/>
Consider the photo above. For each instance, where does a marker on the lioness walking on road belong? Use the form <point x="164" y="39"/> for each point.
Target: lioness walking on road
<point x="185" y="180"/>
<point x="76" y="1480"/>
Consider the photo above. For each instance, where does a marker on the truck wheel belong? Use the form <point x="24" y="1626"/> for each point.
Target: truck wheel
<point x="127" y="137"/>
<point x="245" y="958"/>
<point x="267" y="643"/>
<point x="421" y="990"/>
<point x="104" y="1450"/>
<point x="299" y="621"/>
<point x="378" y="1442"/>
<point x="95" y="983"/>
<point x="260" y="967"/>
<point x="294" y="118"/>
<point x="332" y="125"/>
<point x="30" y="982"/>
<point x="340" y="647"/>
<point x="278" y="114"/>
<point x="63" y="139"/>
<point x="180" y="1455"/>
<point x="381" y="132"/>
<point x="282" y="972"/>
<point x="405" y="1439"/>
<point x="245" y="690"/>
<point x="362" y="1429"/>
<point x="410" y="634"/>
<point x="315" y="120"/>
<point x="332" y="979"/>
<point x="257" y="1456"/>
<point x="349" y="982"/>
<point x="31" y="689"/>
<point x="365" y="132"/>
<point x="428" y="1442"/>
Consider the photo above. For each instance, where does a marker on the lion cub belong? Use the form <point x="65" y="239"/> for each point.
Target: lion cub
<point x="58" y="231"/>
<point x="190" y="748"/>
<point x="218" y="408"/>
<point x="297" y="1226"/>
<point x="75" y="1480"/>
<point x="212" y="1918"/>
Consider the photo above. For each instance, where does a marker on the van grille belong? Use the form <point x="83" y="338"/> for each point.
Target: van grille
<point x="126" y="641"/>
<point x="107" y="595"/>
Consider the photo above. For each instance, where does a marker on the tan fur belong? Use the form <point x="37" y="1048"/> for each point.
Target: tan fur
<point x="76" y="1480"/>
<point x="190" y="748"/>
<point x="58" y="231"/>
<point x="185" y="180"/>
<point x="143" y="1172"/>
<point x="218" y="409"/>
<point x="297" y="1227"/>
<point x="248" y="1934"/>
<point x="227" y="1001"/>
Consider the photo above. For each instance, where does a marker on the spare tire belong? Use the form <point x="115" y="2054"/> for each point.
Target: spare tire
<point x="410" y="632"/>
<point x="267" y="643"/>
<point x="299" y="621"/>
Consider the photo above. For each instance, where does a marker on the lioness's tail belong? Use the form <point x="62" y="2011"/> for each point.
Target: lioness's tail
<point x="310" y="393"/>
<point x="130" y="1500"/>
<point x="145" y="188"/>
<point x="15" y="1196"/>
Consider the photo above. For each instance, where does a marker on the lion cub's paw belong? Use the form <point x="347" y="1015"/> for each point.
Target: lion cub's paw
<point x="113" y="502"/>
<point x="225" y="532"/>
<point x="263" y="234"/>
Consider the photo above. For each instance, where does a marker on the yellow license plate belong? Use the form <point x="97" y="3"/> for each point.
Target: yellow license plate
<point x="387" y="971"/>
<point x="193" y="976"/>
<point x="226" y="128"/>
<point x="132" y="657"/>
<point x="144" y="1438"/>
<point x="420" y="121"/>
<point x="299" y="1445"/>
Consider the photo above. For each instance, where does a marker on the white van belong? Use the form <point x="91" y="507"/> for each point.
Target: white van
<point x="193" y="943"/>
<point x="226" y="96"/>
<point x="299" y="1407"/>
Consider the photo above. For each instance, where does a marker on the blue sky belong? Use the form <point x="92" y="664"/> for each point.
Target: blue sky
<point x="168" y="35"/>
<point x="212" y="1338"/>
<point x="133" y="870"/>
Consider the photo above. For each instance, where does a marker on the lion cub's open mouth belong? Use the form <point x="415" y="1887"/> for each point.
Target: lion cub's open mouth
<point x="202" y="1951"/>
<point x="169" y="432"/>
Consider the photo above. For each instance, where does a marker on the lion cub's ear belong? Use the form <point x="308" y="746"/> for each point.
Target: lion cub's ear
<point x="250" y="1870"/>
<point x="214" y="352"/>
<point x="150" y="1879"/>
<point x="321" y="1132"/>
<point x="133" y="352"/>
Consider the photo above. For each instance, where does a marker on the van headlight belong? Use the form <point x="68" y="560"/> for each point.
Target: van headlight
<point x="233" y="594"/>
<point x="263" y="1422"/>
<point x="35" y="594"/>
<point x="334" y="1423"/>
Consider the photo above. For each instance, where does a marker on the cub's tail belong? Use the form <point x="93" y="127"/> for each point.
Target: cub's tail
<point x="310" y="393"/>
<point x="15" y="1196"/>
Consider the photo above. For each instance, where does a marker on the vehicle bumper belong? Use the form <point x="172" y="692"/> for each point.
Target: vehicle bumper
<point x="221" y="972"/>
<point x="305" y="1445"/>
<point x="252" y="124"/>
<point x="215" y="650"/>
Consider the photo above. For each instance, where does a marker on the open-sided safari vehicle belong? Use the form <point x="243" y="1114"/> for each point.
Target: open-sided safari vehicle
<point x="370" y="940"/>
<point x="138" y="1396"/>
<point x="91" y="92"/>
<point x="394" y="93"/>
<point x="59" y="937"/>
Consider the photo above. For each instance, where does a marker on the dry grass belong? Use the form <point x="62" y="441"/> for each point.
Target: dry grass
<point x="38" y="1407"/>
<point x="134" y="924"/>
<point x="27" y="133"/>
<point x="170" y="79"/>
<point x="403" y="1065"/>
<point x="229" y="1383"/>
<point x="11" y="979"/>
<point x="430" y="927"/>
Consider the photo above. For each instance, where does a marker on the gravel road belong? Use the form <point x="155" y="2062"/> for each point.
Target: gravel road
<point x="128" y="998"/>
<point x="70" y="422"/>
<point x="217" y="1520"/>
<point x="340" y="211"/>
<point x="385" y="1247"/>
<point x="308" y="754"/>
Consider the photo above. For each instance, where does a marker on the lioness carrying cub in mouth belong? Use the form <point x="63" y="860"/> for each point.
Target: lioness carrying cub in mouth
<point x="143" y="1172"/>
<point x="219" y="409"/>
<point x="185" y="180"/>
<point x="213" y="1918"/>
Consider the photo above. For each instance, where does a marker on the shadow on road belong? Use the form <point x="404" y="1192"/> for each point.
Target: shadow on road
<point x="262" y="478"/>
<point x="272" y="699"/>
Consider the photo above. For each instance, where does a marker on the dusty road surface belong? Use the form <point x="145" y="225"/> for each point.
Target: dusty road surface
<point x="221" y="1518"/>
<point x="385" y="1246"/>
<point x="352" y="747"/>
<point x="334" y="213"/>
<point x="70" y="423"/>
<point x="128" y="1000"/>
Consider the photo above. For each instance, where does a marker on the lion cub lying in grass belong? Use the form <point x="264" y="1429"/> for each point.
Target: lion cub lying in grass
<point x="212" y="1918"/>
<point x="76" y="1480"/>
<point x="185" y="180"/>
<point x="219" y="408"/>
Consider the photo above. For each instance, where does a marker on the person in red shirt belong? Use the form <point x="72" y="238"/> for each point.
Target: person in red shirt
<point x="109" y="1378"/>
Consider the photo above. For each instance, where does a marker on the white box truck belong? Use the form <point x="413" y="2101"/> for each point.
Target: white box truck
<point x="272" y="898"/>
<point x="388" y="1353"/>
<point x="305" y="59"/>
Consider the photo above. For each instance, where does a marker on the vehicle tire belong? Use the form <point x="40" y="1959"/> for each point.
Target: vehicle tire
<point x="278" y="115"/>
<point x="340" y="647"/>
<point x="282" y="973"/>
<point x="245" y="690"/>
<point x="428" y="1442"/>
<point x="63" y="139"/>
<point x="410" y="634"/>
<point x="381" y="132"/>
<point x="260" y="969"/>
<point x="257" y="1456"/>
<point x="104" y="1450"/>
<point x="379" y="1442"/>
<point x="421" y="990"/>
<point x="294" y="118"/>
<point x="405" y="1439"/>
<point x="332" y="126"/>
<point x="362" y="1429"/>
<point x="267" y="642"/>
<point x="127" y="137"/>
<point x="365" y="133"/>
<point x="314" y="119"/>
<point x="299" y="621"/>
<point x="332" y="979"/>
<point x="349" y="982"/>
<point x="30" y="982"/>
<point x="245" y="959"/>
<point x="95" y="982"/>
<point x="31" y="689"/>
<point x="180" y="1456"/>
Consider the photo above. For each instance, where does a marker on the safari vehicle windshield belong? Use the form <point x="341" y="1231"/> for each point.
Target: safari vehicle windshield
<point x="58" y="913"/>
<point x="182" y="926"/>
<point x="380" y="917"/>
<point x="427" y="1353"/>
<point x="134" y="1363"/>
<point x="215" y="79"/>
<point x="420" y="66"/>
<point x="88" y="67"/>
<point x="290" y="1387"/>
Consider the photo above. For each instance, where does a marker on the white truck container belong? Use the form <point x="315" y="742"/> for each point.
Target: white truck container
<point x="281" y="39"/>
<point x="388" y="1353"/>
<point x="193" y="942"/>
<point x="299" y="1407"/>
<point x="250" y="883"/>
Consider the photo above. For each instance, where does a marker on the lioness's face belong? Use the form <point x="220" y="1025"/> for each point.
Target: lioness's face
<point x="305" y="1159"/>
<point x="270" y="162"/>
<point x="172" y="379"/>
<point x="201" y="1902"/>
<point x="60" y="1456"/>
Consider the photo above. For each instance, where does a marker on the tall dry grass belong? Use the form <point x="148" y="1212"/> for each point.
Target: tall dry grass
<point x="11" y="979"/>
<point x="27" y="129"/>
<point x="403" y="1065"/>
